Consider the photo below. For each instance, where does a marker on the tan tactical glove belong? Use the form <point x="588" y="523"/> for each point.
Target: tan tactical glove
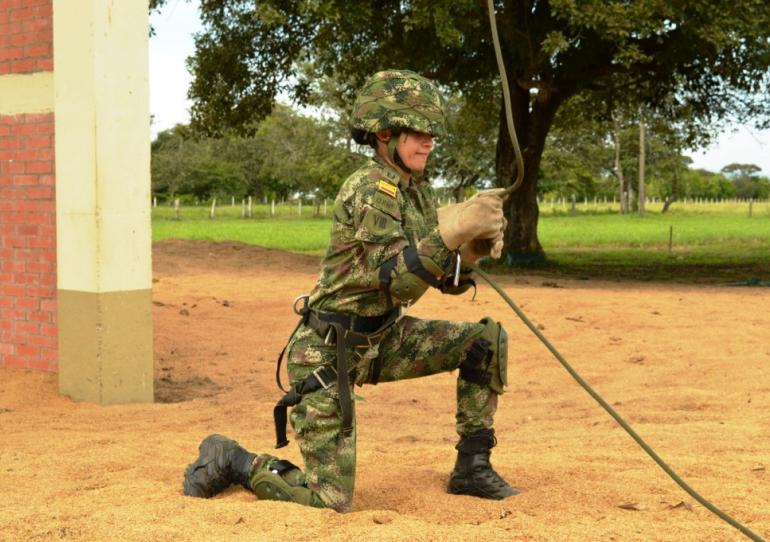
<point x="480" y="217"/>
<point x="475" y="249"/>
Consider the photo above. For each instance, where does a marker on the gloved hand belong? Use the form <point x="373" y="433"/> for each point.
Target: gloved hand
<point x="480" y="217"/>
<point x="475" y="249"/>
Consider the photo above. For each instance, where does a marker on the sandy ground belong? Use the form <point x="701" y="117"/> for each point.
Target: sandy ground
<point x="689" y="367"/>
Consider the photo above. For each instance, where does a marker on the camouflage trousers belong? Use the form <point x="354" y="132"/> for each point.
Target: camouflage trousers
<point x="410" y="348"/>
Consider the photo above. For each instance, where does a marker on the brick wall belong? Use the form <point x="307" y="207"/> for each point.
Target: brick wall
<point x="26" y="36"/>
<point x="28" y="333"/>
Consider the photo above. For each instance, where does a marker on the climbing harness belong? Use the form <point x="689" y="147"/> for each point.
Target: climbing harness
<point x="347" y="332"/>
<point x="611" y="411"/>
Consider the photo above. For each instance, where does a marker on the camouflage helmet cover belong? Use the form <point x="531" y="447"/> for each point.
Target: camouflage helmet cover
<point x="399" y="99"/>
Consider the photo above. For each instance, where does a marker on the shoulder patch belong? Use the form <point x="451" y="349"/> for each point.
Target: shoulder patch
<point x="389" y="189"/>
<point x="388" y="203"/>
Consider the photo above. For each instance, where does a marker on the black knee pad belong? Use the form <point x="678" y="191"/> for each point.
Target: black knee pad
<point x="486" y="362"/>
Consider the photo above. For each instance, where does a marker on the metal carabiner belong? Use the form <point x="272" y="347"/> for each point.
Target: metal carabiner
<point x="300" y="312"/>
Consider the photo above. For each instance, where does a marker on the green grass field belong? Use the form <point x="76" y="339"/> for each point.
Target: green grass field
<point x="717" y="242"/>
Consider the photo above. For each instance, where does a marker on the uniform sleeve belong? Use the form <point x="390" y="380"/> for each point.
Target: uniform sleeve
<point x="379" y="225"/>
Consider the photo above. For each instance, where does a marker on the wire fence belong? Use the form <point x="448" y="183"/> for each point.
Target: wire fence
<point x="247" y="208"/>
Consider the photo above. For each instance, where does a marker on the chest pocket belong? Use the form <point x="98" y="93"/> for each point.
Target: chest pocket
<point x="381" y="222"/>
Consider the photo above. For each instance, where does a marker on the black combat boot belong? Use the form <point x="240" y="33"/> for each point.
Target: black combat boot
<point x="221" y="463"/>
<point x="473" y="473"/>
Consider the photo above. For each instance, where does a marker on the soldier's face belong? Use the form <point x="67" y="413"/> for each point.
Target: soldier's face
<point x="414" y="149"/>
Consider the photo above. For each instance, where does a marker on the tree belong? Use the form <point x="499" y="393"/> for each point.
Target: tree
<point x="747" y="184"/>
<point x="709" y="58"/>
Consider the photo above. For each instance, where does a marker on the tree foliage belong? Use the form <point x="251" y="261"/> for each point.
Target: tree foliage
<point x="288" y="153"/>
<point x="703" y="60"/>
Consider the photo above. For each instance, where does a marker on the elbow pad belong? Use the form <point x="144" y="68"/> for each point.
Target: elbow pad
<point x="408" y="286"/>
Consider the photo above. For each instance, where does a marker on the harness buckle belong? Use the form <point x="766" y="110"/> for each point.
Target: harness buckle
<point x="328" y="338"/>
<point x="317" y="375"/>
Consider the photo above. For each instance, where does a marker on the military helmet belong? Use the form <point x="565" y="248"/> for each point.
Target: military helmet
<point x="399" y="99"/>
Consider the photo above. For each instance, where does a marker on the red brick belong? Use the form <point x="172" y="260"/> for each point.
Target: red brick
<point x="11" y="53"/>
<point x="39" y="340"/>
<point x="48" y="279"/>
<point x="39" y="167"/>
<point x="48" y="231"/>
<point x="27" y="303"/>
<point x="48" y="305"/>
<point x="5" y="68"/>
<point x="37" y="50"/>
<point x="39" y="316"/>
<point x="23" y="229"/>
<point x="6" y="303"/>
<point x="23" y="66"/>
<point x="29" y="351"/>
<point x="27" y="278"/>
<point x="39" y="142"/>
<point x="10" y="143"/>
<point x="11" y="265"/>
<point x="11" y="168"/>
<point x="12" y="289"/>
<point x="41" y="242"/>
<point x="6" y="348"/>
<point x="38" y="267"/>
<point x="49" y="330"/>
<point x="6" y="277"/>
<point x="45" y="65"/>
<point x="28" y="328"/>
<point x="14" y="361"/>
<point x="22" y="13"/>
<point x="49" y="354"/>
<point x="41" y="291"/>
<point x="47" y="180"/>
<point x="14" y="241"/>
<point x="24" y="180"/>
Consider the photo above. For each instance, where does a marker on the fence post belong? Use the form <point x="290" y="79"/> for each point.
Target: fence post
<point x="574" y="199"/>
<point x="299" y="206"/>
<point x="751" y="203"/>
<point x="243" y="208"/>
<point x="249" y="209"/>
<point x="272" y="207"/>
<point x="176" y="208"/>
<point x="212" y="213"/>
<point x="154" y="202"/>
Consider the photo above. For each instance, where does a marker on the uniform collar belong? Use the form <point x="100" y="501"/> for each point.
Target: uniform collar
<point x="391" y="174"/>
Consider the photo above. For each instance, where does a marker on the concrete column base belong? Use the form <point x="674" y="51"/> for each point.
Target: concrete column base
<point x="105" y="346"/>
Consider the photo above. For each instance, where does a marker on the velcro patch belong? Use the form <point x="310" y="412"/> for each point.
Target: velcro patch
<point x="389" y="189"/>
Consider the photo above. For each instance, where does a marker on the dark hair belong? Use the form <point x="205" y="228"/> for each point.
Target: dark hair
<point x="362" y="137"/>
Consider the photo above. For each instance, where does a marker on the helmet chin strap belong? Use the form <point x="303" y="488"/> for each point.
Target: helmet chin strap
<point x="396" y="159"/>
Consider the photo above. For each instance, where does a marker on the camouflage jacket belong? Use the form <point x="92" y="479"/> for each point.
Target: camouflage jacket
<point x="376" y="215"/>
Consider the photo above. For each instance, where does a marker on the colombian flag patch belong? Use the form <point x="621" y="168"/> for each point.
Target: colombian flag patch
<point x="389" y="189"/>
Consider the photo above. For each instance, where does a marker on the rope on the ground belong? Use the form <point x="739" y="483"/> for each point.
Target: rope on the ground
<point x="611" y="411"/>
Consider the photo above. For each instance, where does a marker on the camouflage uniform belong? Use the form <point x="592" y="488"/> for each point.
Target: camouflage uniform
<point x="370" y="226"/>
<point x="385" y="250"/>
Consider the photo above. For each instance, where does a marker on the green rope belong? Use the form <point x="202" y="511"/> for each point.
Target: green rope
<point x="506" y="101"/>
<point x="611" y="411"/>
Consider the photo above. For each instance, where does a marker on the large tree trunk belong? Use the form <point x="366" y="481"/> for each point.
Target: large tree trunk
<point x="521" y="242"/>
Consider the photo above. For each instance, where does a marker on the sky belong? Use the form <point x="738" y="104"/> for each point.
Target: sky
<point x="169" y="81"/>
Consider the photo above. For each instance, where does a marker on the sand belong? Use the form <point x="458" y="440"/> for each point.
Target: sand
<point x="687" y="366"/>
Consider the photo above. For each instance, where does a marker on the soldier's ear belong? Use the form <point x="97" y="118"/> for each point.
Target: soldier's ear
<point x="383" y="135"/>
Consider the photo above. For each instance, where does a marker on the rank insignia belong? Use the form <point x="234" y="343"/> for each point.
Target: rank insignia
<point x="389" y="189"/>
